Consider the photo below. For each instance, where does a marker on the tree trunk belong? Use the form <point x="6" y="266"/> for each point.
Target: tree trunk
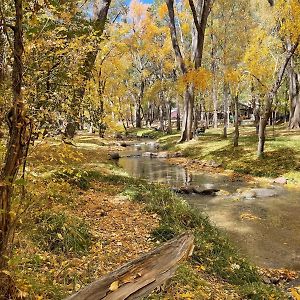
<point x="186" y="130"/>
<point x="226" y="109"/>
<point x="262" y="135"/>
<point x="178" y="117"/>
<point x="270" y="97"/>
<point x="236" y="122"/>
<point x="19" y="137"/>
<point x="169" y="129"/>
<point x="138" y="119"/>
<point x="214" y="90"/>
<point x="294" y="97"/>
<point x="200" y="14"/>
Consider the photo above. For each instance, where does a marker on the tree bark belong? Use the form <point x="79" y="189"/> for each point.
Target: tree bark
<point x="17" y="147"/>
<point x="178" y="126"/>
<point x="236" y="122"/>
<point x="226" y="109"/>
<point x="140" y="277"/>
<point x="294" y="97"/>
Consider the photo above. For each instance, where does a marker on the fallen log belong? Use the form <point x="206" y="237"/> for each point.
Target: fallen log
<point x="141" y="276"/>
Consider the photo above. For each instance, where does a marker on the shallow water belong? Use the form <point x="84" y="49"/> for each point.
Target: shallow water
<point x="264" y="229"/>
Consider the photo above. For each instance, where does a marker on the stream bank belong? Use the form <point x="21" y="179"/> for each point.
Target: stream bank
<point x="264" y="227"/>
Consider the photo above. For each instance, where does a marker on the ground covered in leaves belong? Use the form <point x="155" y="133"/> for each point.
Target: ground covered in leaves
<point x="81" y="218"/>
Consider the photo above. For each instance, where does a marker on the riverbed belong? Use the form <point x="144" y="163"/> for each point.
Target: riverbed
<point x="265" y="229"/>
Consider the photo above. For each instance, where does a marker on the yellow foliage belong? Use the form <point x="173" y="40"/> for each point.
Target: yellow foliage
<point x="162" y="10"/>
<point x="288" y="12"/>
<point x="200" y="78"/>
<point x="185" y="28"/>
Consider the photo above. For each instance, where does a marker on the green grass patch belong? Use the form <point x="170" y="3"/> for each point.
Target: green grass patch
<point x="59" y="232"/>
<point x="282" y="154"/>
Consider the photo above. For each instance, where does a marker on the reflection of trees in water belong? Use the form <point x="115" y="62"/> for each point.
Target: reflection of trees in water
<point x="156" y="170"/>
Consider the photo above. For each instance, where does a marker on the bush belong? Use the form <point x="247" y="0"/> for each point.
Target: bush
<point x="59" y="232"/>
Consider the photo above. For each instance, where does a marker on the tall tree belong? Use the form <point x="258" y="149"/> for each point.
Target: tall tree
<point x="19" y="136"/>
<point x="200" y="12"/>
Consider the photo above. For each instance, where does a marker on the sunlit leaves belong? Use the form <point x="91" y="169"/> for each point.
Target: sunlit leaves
<point x="288" y="14"/>
<point x="199" y="78"/>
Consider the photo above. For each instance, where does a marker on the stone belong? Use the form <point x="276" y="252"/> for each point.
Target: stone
<point x="263" y="192"/>
<point x="114" y="155"/>
<point x="149" y="154"/>
<point x="178" y="154"/>
<point x="163" y="154"/>
<point x="195" y="190"/>
<point x="280" y="180"/>
<point x="214" y="164"/>
<point x="248" y="194"/>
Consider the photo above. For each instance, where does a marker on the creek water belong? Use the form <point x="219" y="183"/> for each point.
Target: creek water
<point x="265" y="229"/>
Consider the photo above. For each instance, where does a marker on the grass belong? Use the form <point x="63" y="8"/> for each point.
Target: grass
<point x="213" y="252"/>
<point x="282" y="155"/>
<point x="54" y="235"/>
<point x="59" y="232"/>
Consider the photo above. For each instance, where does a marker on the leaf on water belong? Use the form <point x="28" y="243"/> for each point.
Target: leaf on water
<point x="114" y="286"/>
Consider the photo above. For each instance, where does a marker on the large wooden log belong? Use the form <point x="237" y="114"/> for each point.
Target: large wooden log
<point x="141" y="276"/>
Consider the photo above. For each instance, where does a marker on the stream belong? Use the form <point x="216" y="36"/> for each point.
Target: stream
<point x="265" y="229"/>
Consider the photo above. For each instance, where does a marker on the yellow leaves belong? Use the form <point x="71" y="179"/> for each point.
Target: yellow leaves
<point x="162" y="10"/>
<point x="188" y="295"/>
<point x="295" y="293"/>
<point x="259" y="60"/>
<point x="201" y="268"/>
<point x="232" y="76"/>
<point x="288" y="12"/>
<point x="200" y="78"/>
<point x="248" y="216"/>
<point x="137" y="11"/>
<point x="186" y="29"/>
<point x="114" y="286"/>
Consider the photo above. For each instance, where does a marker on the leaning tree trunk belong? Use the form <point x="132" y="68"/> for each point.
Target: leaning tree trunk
<point x="270" y="97"/>
<point x="19" y="136"/>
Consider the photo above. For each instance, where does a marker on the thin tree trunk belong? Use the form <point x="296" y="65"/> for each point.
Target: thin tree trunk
<point x="236" y="122"/>
<point x="214" y="81"/>
<point x="178" y="117"/>
<point x="226" y="109"/>
<point x="169" y="129"/>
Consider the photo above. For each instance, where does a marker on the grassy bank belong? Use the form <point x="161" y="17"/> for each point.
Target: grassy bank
<point x="82" y="219"/>
<point x="282" y="155"/>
